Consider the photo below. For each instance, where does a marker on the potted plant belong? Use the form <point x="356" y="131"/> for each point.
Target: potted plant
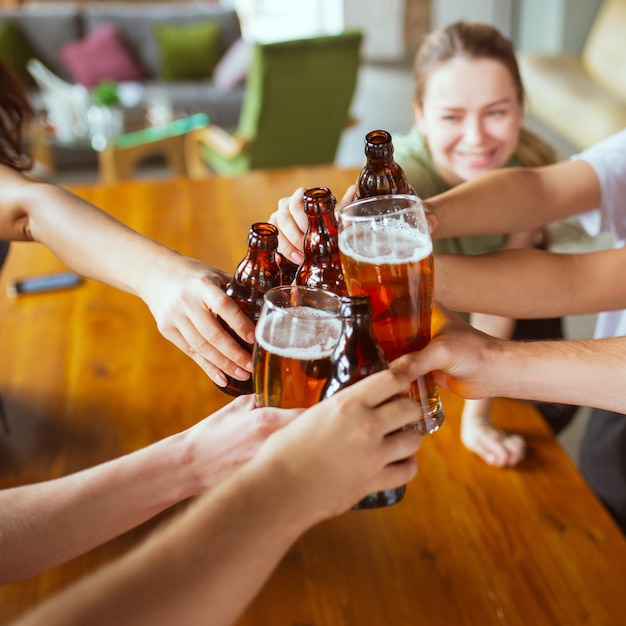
<point x="106" y="94"/>
<point x="105" y="116"/>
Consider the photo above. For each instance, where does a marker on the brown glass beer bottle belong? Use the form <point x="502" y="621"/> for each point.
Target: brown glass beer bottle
<point x="288" y="269"/>
<point x="257" y="273"/>
<point x="357" y="355"/>
<point x="381" y="175"/>
<point x="321" y="266"/>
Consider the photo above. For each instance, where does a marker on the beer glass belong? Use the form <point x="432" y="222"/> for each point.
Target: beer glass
<point x="297" y="332"/>
<point x="386" y="253"/>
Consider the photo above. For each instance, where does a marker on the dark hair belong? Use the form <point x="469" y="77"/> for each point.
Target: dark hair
<point x="475" y="40"/>
<point x="471" y="40"/>
<point x="15" y="113"/>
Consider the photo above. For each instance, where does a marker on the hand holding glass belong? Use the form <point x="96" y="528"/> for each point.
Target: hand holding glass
<point x="386" y="253"/>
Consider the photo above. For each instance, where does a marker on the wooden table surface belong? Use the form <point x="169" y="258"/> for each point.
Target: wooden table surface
<point x="85" y="377"/>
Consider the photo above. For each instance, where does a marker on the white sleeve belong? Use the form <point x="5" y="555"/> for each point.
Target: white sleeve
<point x="608" y="159"/>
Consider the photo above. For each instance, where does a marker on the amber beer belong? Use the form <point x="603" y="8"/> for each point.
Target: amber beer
<point x="296" y="335"/>
<point x="388" y="257"/>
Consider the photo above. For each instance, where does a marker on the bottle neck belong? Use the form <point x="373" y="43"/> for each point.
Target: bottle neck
<point x="261" y="260"/>
<point x="379" y="153"/>
<point x="322" y="233"/>
<point x="356" y="314"/>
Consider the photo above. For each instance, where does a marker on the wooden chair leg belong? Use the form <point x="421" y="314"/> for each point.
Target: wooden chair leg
<point x="195" y="166"/>
<point x="41" y="148"/>
<point x="119" y="163"/>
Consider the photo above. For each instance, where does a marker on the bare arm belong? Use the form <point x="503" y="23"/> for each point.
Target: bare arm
<point x="495" y="325"/>
<point x="180" y="292"/>
<point x="532" y="283"/>
<point x="515" y="199"/>
<point x="45" y="524"/>
<point x="473" y="365"/>
<point x="207" y="565"/>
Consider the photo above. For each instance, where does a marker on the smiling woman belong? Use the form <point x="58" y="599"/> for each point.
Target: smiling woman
<point x="469" y="107"/>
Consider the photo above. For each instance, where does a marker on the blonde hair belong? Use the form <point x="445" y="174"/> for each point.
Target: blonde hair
<point x="533" y="151"/>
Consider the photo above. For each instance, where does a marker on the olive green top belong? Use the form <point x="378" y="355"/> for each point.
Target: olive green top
<point x="412" y="154"/>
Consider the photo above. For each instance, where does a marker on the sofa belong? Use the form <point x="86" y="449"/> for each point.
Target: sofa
<point x="189" y="53"/>
<point x="582" y="97"/>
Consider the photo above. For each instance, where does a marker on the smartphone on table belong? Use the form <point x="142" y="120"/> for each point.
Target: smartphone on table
<point x="41" y="284"/>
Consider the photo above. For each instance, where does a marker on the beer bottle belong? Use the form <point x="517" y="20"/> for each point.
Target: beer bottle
<point x="257" y="273"/>
<point x="381" y="175"/>
<point x="321" y="266"/>
<point x="288" y="269"/>
<point x="357" y="355"/>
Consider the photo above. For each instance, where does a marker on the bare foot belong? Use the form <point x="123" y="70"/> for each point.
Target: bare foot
<point x="496" y="447"/>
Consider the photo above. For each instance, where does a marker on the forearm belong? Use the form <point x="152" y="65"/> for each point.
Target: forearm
<point x="205" y="567"/>
<point x="516" y="199"/>
<point x="45" y="524"/>
<point x="528" y="284"/>
<point x="87" y="239"/>
<point x="586" y="372"/>
<point x="496" y="326"/>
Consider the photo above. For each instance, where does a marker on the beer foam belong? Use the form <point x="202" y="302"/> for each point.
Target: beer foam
<point x="393" y="243"/>
<point x="310" y="334"/>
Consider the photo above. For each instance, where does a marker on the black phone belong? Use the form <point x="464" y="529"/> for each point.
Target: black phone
<point x="39" y="284"/>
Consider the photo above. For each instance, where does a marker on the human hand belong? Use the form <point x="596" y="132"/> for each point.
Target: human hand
<point x="461" y="358"/>
<point x="346" y="447"/>
<point x="292" y="223"/>
<point x="495" y="446"/>
<point x="230" y="437"/>
<point x="185" y="297"/>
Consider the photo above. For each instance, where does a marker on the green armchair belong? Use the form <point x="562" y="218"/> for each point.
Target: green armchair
<point x="296" y="105"/>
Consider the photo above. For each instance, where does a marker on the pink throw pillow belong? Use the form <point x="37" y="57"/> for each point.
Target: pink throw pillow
<point x="99" y="56"/>
<point x="232" y="68"/>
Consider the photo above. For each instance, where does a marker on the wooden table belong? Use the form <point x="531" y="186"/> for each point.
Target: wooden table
<point x="85" y="377"/>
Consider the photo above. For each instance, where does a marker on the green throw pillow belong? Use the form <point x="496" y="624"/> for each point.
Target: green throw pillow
<point x="15" y="51"/>
<point x="188" y="51"/>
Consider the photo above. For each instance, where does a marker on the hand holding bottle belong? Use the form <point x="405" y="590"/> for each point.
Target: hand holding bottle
<point x="185" y="296"/>
<point x="358" y="355"/>
<point x="292" y="222"/>
<point x="255" y="275"/>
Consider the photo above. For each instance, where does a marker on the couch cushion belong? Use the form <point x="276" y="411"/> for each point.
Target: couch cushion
<point x="47" y="27"/>
<point x="187" y="51"/>
<point x="604" y="54"/>
<point x="136" y="24"/>
<point x="562" y="95"/>
<point x="100" y="55"/>
<point x="15" y="51"/>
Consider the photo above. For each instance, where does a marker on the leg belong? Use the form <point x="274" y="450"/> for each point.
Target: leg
<point x="603" y="461"/>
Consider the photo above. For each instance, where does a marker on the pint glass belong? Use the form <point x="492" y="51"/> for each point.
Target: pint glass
<point x="386" y="253"/>
<point x="297" y="332"/>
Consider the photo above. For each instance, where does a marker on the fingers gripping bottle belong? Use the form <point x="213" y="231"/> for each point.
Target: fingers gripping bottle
<point x="356" y="356"/>
<point x="257" y="273"/>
